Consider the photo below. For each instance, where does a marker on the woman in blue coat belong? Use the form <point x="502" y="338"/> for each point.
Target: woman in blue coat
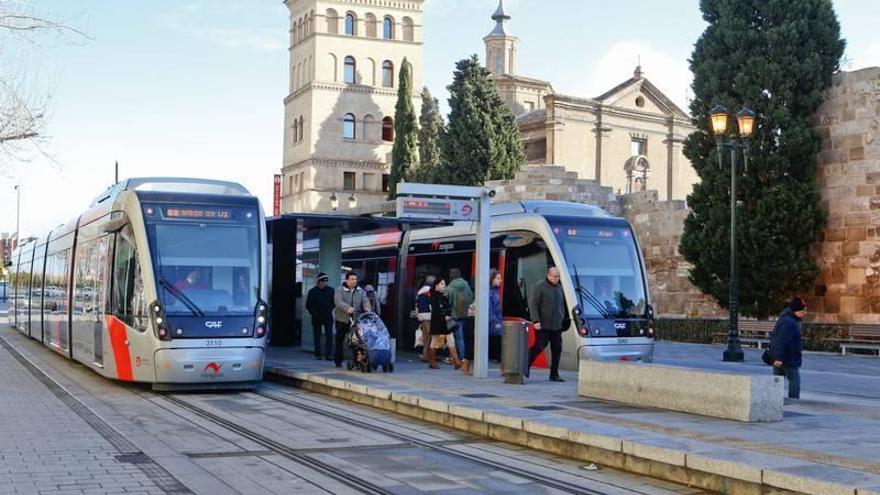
<point x="496" y="318"/>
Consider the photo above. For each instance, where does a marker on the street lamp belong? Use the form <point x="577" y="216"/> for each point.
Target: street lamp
<point x="17" y="212"/>
<point x="352" y="201"/>
<point x="745" y="124"/>
<point x="334" y="202"/>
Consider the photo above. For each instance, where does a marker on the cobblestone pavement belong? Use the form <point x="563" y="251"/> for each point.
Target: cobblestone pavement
<point x="71" y="431"/>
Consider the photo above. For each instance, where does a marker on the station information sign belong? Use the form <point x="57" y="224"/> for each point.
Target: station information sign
<point x="437" y="209"/>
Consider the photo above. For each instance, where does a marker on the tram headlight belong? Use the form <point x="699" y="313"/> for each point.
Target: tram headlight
<point x="261" y="319"/>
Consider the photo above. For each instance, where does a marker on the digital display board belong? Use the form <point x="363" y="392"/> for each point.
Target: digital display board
<point x="193" y="213"/>
<point x="437" y="209"/>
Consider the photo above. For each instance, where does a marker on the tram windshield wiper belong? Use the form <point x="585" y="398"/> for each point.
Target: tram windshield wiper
<point x="174" y="291"/>
<point x="583" y="292"/>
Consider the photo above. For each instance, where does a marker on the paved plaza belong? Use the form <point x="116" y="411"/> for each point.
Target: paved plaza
<point x="827" y="442"/>
<point x="66" y="430"/>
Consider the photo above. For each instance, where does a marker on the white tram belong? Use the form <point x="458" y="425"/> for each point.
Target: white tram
<point x="162" y="281"/>
<point x="603" y="274"/>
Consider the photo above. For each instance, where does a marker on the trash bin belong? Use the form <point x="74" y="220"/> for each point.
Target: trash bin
<point x="515" y="351"/>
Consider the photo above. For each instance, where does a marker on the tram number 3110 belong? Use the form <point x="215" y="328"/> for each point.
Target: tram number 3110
<point x="214" y="343"/>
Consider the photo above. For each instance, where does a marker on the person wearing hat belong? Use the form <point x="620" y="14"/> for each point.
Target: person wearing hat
<point x="320" y="304"/>
<point x="373" y="296"/>
<point x="787" y="344"/>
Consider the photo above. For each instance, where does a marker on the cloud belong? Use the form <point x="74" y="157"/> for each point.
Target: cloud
<point x="668" y="72"/>
<point x="226" y="24"/>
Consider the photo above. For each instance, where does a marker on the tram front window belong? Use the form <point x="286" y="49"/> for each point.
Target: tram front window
<point x="205" y="268"/>
<point x="605" y="262"/>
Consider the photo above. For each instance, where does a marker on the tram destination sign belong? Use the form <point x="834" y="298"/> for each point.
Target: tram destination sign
<point x="437" y="209"/>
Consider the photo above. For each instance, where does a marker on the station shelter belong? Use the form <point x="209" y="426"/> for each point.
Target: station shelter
<point x="301" y="245"/>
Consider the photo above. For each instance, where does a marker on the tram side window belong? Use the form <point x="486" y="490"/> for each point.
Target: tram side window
<point x="525" y="267"/>
<point x="128" y="287"/>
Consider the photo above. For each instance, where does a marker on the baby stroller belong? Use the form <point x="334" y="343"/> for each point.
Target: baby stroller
<point x="360" y="358"/>
<point x="378" y="342"/>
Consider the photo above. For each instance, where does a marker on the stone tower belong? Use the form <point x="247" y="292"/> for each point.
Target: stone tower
<point x="501" y="45"/>
<point x="345" y="56"/>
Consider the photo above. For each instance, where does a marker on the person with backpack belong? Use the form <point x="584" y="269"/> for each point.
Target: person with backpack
<point x="460" y="298"/>
<point x="787" y="345"/>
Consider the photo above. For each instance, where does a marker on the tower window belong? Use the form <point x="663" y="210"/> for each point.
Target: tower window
<point x="350" y="70"/>
<point x="370" y="21"/>
<point x="348" y="127"/>
<point x="350" y="25"/>
<point x="388" y="129"/>
<point x="638" y="146"/>
<point x="386" y="181"/>
<point x="388" y="74"/>
<point x="332" y="19"/>
<point x="388" y="28"/>
<point x="349" y="181"/>
<point x="408" y="28"/>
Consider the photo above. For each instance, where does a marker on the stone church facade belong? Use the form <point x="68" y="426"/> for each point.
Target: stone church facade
<point x="345" y="56"/>
<point x="628" y="138"/>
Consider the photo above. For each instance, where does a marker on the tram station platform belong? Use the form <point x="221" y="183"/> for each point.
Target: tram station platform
<point x="828" y="442"/>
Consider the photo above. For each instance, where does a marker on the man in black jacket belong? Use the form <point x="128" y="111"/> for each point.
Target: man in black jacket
<point x="547" y="309"/>
<point x="787" y="344"/>
<point x="319" y="304"/>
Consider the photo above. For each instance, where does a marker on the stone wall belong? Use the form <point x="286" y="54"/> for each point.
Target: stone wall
<point x="658" y="226"/>
<point x="848" y="171"/>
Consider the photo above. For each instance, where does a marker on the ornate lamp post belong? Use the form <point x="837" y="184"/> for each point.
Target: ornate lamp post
<point x="334" y="202"/>
<point x="746" y="123"/>
<point x="352" y="201"/>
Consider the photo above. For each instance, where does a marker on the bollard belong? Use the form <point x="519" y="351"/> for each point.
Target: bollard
<point x="514" y="351"/>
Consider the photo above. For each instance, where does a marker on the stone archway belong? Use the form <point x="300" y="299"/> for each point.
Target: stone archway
<point x="637" y="169"/>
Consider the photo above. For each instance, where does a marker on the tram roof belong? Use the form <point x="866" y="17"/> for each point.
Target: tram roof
<point x="313" y="223"/>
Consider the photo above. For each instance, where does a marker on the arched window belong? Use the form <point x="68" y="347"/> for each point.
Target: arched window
<point x="370" y="21"/>
<point x="408" y="29"/>
<point x="388" y="74"/>
<point x="301" y="128"/>
<point x="369" y="122"/>
<point x="332" y="21"/>
<point x="388" y="28"/>
<point x="388" y="129"/>
<point x="295" y="132"/>
<point x="348" y="127"/>
<point x="371" y="66"/>
<point x="350" y="24"/>
<point x="350" y="70"/>
<point x="299" y="31"/>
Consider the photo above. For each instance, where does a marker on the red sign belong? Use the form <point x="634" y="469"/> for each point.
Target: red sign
<point x="276" y="200"/>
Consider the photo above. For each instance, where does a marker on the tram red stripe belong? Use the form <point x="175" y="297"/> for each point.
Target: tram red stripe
<point x="121" y="355"/>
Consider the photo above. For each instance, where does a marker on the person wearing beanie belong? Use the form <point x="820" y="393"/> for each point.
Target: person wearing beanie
<point x="319" y="304"/>
<point x="787" y="344"/>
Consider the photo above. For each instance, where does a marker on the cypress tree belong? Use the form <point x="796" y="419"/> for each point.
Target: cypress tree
<point x="431" y="129"/>
<point x="482" y="141"/>
<point x="776" y="58"/>
<point x="405" y="154"/>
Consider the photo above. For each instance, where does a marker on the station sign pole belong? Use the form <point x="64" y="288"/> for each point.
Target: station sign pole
<point x="459" y="203"/>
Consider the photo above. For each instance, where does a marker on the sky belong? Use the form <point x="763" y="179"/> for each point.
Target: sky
<point x="195" y="87"/>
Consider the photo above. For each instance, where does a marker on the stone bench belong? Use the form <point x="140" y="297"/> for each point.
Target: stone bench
<point x="741" y="397"/>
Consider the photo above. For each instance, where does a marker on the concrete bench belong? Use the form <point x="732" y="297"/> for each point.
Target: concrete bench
<point x="741" y="397"/>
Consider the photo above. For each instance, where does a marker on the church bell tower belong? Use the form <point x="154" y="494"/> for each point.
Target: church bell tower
<point x="501" y="45"/>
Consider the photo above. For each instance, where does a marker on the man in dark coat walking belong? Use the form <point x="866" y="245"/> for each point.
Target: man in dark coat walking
<point x="787" y="344"/>
<point x="319" y="304"/>
<point x="547" y="309"/>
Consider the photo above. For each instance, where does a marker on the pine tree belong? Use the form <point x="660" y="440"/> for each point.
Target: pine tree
<point x="431" y="129"/>
<point x="482" y="141"/>
<point x="405" y="154"/>
<point x="776" y="58"/>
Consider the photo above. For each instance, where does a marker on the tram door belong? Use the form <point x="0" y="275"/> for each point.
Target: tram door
<point x="526" y="261"/>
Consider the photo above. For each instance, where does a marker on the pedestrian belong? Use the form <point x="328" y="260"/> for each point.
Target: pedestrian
<point x="496" y="318"/>
<point x="460" y="298"/>
<point x="320" y="304"/>
<point x="350" y="302"/>
<point x="374" y="299"/>
<point x="442" y="327"/>
<point x="547" y="309"/>
<point x="423" y="314"/>
<point x="787" y="345"/>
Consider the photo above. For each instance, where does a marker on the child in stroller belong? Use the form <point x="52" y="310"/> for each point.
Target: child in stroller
<point x="370" y="344"/>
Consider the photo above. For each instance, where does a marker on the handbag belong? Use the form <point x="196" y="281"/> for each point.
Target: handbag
<point x="418" y="338"/>
<point x="767" y="358"/>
